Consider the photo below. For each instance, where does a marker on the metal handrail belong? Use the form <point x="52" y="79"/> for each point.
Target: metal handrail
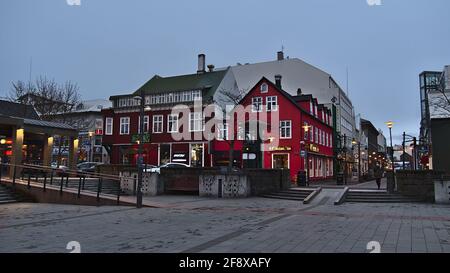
<point x="64" y="174"/>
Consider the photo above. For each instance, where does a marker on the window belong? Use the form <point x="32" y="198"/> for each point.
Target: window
<point x="264" y="88"/>
<point x="272" y="104"/>
<point x="285" y="129"/>
<point x="125" y="125"/>
<point x="257" y="104"/>
<point x="146" y="118"/>
<point x="316" y="133"/>
<point x="195" y="122"/>
<point x="320" y="137"/>
<point x="311" y="107"/>
<point x="311" y="133"/>
<point x="315" y="110"/>
<point x="346" y="124"/>
<point x="172" y="123"/>
<point x="222" y="131"/>
<point x="197" y="95"/>
<point x="109" y="126"/>
<point x="187" y="96"/>
<point x="157" y="124"/>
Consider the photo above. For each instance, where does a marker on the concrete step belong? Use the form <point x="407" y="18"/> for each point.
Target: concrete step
<point x="283" y="197"/>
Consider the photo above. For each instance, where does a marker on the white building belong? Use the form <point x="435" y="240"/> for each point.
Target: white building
<point x="299" y="76"/>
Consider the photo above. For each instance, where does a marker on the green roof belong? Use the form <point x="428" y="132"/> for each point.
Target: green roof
<point x="207" y="81"/>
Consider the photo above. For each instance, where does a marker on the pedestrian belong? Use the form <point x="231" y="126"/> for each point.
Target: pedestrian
<point x="378" y="172"/>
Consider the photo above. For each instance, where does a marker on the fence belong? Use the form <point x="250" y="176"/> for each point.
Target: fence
<point x="62" y="180"/>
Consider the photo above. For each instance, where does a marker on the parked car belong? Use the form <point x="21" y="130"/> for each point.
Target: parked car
<point x="167" y="165"/>
<point x="88" y="166"/>
<point x="61" y="169"/>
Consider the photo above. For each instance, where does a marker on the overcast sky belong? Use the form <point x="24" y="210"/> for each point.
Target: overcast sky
<point x="112" y="47"/>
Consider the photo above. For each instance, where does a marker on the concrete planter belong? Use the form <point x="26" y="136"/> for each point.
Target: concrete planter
<point x="442" y="191"/>
<point x="151" y="184"/>
<point x="224" y="185"/>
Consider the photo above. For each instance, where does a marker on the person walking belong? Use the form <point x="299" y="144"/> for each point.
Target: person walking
<point x="378" y="172"/>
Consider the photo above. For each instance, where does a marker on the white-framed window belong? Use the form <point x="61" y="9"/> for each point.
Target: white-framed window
<point x="311" y="133"/>
<point x="316" y="135"/>
<point x="196" y="95"/>
<point x="272" y="103"/>
<point x="327" y="142"/>
<point x="125" y="125"/>
<point x="196" y="122"/>
<point x="257" y="104"/>
<point x="172" y="123"/>
<point x="315" y="110"/>
<point x="285" y="129"/>
<point x="311" y="107"/>
<point x="109" y="126"/>
<point x="158" y="124"/>
<point x="264" y="88"/>
<point x="320" y="137"/>
<point x="146" y="124"/>
<point x="222" y="131"/>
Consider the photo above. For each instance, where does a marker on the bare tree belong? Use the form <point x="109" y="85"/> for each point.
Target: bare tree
<point x="439" y="101"/>
<point x="232" y="99"/>
<point x="52" y="101"/>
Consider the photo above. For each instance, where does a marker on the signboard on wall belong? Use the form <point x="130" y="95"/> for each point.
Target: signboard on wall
<point x="180" y="157"/>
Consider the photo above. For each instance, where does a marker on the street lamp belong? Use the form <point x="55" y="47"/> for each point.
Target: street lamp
<point x="91" y="147"/>
<point x="306" y="128"/>
<point x="354" y="143"/>
<point x="390" y="124"/>
<point x="143" y="107"/>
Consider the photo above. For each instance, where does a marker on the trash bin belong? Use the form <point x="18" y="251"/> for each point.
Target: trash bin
<point x="301" y="179"/>
<point x="340" y="179"/>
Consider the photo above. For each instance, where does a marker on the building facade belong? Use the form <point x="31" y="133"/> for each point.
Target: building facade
<point x="298" y="132"/>
<point x="434" y="104"/>
<point x="169" y="136"/>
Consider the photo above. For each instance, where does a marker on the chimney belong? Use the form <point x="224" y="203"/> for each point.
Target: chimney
<point x="299" y="92"/>
<point x="201" y="64"/>
<point x="278" y="81"/>
<point x="210" y="67"/>
<point x="280" y="55"/>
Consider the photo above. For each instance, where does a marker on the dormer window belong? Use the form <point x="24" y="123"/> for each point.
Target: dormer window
<point x="264" y="88"/>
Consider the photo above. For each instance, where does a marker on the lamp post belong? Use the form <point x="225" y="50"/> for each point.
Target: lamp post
<point x="306" y="128"/>
<point x="91" y="147"/>
<point x="390" y="124"/>
<point x="140" y="162"/>
<point x="354" y="142"/>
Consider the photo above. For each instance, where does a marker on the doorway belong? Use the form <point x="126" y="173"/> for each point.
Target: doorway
<point x="280" y="161"/>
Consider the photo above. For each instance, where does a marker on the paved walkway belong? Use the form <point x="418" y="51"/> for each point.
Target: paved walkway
<point x="194" y="224"/>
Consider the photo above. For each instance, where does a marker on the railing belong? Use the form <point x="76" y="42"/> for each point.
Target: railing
<point x="63" y="179"/>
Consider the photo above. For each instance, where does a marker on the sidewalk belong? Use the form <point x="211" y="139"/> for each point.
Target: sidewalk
<point x="353" y="183"/>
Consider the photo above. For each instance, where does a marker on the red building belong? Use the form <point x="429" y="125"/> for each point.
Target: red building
<point x="292" y="131"/>
<point x="163" y="129"/>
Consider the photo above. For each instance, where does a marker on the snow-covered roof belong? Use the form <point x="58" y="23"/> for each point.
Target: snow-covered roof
<point x="295" y="74"/>
<point x="93" y="105"/>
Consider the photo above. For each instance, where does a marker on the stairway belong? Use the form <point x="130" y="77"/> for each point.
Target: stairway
<point x="293" y="194"/>
<point x="8" y="196"/>
<point x="360" y="196"/>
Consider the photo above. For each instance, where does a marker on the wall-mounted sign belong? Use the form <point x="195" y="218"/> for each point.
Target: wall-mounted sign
<point x="181" y="157"/>
<point x="280" y="149"/>
<point x="313" y="148"/>
<point x="135" y="138"/>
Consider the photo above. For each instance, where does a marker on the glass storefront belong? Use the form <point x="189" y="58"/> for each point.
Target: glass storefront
<point x="196" y="155"/>
<point x="164" y="154"/>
